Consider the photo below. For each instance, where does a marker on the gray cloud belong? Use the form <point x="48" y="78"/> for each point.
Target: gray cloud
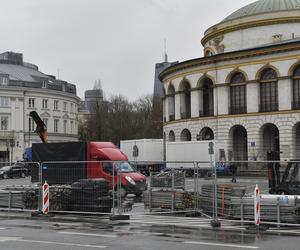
<point x="116" y="41"/>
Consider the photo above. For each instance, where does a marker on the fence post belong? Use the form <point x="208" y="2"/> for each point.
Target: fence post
<point x="278" y="212"/>
<point x="40" y="198"/>
<point x="119" y="193"/>
<point x="173" y="191"/>
<point x="150" y="192"/>
<point x="242" y="211"/>
<point x="113" y="188"/>
<point x="9" y="200"/>
<point x="195" y="190"/>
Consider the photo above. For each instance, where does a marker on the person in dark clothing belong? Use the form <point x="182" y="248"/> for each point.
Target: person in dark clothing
<point x="233" y="170"/>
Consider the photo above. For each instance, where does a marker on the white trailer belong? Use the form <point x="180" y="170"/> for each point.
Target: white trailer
<point x="145" y="154"/>
<point x="186" y="152"/>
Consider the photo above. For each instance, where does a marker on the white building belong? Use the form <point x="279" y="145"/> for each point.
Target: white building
<point x="23" y="89"/>
<point x="245" y="91"/>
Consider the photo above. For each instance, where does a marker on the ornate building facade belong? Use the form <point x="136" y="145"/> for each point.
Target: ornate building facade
<point x="245" y="91"/>
<point x="23" y="88"/>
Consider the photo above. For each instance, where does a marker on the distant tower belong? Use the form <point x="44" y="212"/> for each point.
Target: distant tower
<point x="93" y="96"/>
<point x="159" y="67"/>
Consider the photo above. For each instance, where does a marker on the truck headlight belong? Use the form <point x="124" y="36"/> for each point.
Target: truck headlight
<point x="130" y="180"/>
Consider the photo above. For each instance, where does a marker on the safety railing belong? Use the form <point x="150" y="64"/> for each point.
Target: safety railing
<point x="172" y="187"/>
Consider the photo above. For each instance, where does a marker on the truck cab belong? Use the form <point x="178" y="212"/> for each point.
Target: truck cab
<point x="114" y="162"/>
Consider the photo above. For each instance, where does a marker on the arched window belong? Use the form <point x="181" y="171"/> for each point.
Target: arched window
<point x="237" y="94"/>
<point x="171" y="136"/>
<point x="268" y="91"/>
<point x="185" y="100"/>
<point x="206" y="98"/>
<point x="296" y="88"/>
<point x="171" y="102"/>
<point x="185" y="135"/>
<point x="206" y="134"/>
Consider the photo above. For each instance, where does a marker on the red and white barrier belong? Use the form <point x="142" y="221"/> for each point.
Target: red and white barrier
<point x="45" y="198"/>
<point x="256" y="206"/>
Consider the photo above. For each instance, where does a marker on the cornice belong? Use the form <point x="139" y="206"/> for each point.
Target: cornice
<point x="250" y="24"/>
<point x="225" y="116"/>
<point x="229" y="56"/>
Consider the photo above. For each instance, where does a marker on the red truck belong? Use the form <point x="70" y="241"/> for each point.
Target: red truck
<point x="67" y="162"/>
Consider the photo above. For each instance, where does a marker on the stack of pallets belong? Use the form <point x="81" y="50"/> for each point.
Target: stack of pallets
<point x="224" y="194"/>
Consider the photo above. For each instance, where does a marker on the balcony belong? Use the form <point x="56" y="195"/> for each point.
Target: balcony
<point x="296" y="105"/>
<point x="171" y="118"/>
<point x="185" y="115"/>
<point x="268" y="107"/>
<point x="206" y="112"/>
<point x="237" y="109"/>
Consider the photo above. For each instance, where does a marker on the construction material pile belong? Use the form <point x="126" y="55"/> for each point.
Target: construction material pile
<point x="167" y="199"/>
<point x="271" y="206"/>
<point x="11" y="199"/>
<point x="90" y="195"/>
<point x="168" y="179"/>
<point x="224" y="194"/>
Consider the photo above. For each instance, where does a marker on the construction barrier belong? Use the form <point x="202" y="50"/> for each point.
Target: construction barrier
<point x="45" y="198"/>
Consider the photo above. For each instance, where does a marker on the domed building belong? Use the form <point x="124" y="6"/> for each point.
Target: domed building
<point x="245" y="92"/>
<point x="23" y="88"/>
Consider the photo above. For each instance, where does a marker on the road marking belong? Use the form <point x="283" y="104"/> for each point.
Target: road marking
<point x="60" y="243"/>
<point x="89" y="234"/>
<point x="221" y="245"/>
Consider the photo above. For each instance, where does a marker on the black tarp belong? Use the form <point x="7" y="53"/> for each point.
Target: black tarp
<point x="57" y="170"/>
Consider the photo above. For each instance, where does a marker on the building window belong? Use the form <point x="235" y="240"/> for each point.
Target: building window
<point x="206" y="134"/>
<point x="206" y="98"/>
<point x="55" y="105"/>
<point x="72" y="127"/>
<point x="65" y="126"/>
<point x="4" y="123"/>
<point x="71" y="107"/>
<point x="171" y="100"/>
<point x="56" y="125"/>
<point x="185" y="101"/>
<point x="31" y="103"/>
<point x="296" y="88"/>
<point x="4" y="80"/>
<point x="268" y="91"/>
<point x="171" y="136"/>
<point x="31" y="126"/>
<point x="4" y="101"/>
<point x="45" y="121"/>
<point x="237" y="94"/>
<point x="185" y="135"/>
<point x="44" y="86"/>
<point x="45" y="103"/>
<point x="65" y="106"/>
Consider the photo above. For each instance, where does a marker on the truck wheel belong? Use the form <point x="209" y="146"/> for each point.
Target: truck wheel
<point x="122" y="192"/>
<point x="5" y="176"/>
<point x="23" y="175"/>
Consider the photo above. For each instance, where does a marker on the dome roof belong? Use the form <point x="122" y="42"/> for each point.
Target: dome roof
<point x="264" y="6"/>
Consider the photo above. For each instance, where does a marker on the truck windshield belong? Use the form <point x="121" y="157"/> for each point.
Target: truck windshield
<point x="124" y="167"/>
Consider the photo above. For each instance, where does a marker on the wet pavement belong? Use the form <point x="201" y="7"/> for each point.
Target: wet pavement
<point x="44" y="234"/>
<point x="141" y="231"/>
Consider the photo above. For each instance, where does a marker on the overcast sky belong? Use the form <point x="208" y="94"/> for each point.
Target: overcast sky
<point x="116" y="41"/>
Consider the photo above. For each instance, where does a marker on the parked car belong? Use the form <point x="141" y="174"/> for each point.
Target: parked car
<point x="13" y="171"/>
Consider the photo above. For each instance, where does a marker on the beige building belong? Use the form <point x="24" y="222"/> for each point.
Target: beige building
<point x="23" y="88"/>
<point x="245" y="92"/>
